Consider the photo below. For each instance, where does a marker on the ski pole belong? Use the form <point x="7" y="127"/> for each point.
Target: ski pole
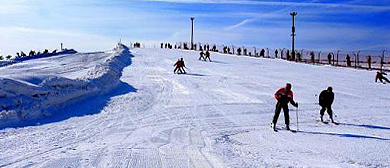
<point x="296" y="112"/>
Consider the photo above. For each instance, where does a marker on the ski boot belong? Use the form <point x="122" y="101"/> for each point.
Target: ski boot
<point x="273" y="127"/>
<point x="287" y="127"/>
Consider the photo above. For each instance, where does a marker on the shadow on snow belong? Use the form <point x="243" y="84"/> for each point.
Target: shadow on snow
<point x="366" y="126"/>
<point x="345" y="135"/>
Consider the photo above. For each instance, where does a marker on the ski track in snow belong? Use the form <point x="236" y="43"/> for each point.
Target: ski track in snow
<point x="217" y="115"/>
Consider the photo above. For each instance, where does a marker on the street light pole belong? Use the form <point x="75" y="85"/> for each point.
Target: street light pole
<point x="293" y="14"/>
<point x="192" y="33"/>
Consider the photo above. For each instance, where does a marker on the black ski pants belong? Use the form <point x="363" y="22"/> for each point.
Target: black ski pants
<point x="383" y="78"/>
<point x="328" y="109"/>
<point x="279" y="106"/>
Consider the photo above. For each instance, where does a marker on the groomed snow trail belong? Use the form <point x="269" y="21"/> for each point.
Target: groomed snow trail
<point x="217" y="115"/>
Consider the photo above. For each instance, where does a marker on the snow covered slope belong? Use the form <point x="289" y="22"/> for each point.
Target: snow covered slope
<point x="36" y="88"/>
<point x="218" y="115"/>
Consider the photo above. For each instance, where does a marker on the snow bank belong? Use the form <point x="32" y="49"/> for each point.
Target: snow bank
<point x="25" y="101"/>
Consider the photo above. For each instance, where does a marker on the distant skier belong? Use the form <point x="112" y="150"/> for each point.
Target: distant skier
<point x="325" y="100"/>
<point x="284" y="96"/>
<point x="179" y="67"/>
<point x="330" y="58"/>
<point x="201" y="55"/>
<point x="369" y="61"/>
<point x="276" y="53"/>
<point x="262" y="53"/>
<point x="380" y="76"/>
<point x="312" y="57"/>
<point x="348" y="60"/>
<point x="207" y="55"/>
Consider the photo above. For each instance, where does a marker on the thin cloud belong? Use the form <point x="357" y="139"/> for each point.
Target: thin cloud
<point x="279" y="3"/>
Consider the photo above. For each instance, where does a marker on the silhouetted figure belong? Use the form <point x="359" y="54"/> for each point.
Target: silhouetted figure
<point x="22" y="54"/>
<point x="288" y="55"/>
<point x="293" y="56"/>
<point x="162" y="45"/>
<point x="179" y="67"/>
<point x="31" y="53"/>
<point x="380" y="76"/>
<point x="201" y="55"/>
<point x="207" y="56"/>
<point x="45" y="51"/>
<point x="283" y="96"/>
<point x="239" y="51"/>
<point x="245" y="51"/>
<point x="369" y="61"/>
<point x="299" y="57"/>
<point x="330" y="58"/>
<point x="276" y="53"/>
<point x="262" y="53"/>
<point x="348" y="60"/>
<point x="312" y="57"/>
<point x="214" y="48"/>
<point x="325" y="101"/>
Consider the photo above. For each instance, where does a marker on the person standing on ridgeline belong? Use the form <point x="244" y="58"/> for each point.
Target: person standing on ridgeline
<point x="325" y="101"/>
<point x="312" y="57"/>
<point x="369" y="61"/>
<point x="283" y="96"/>
<point x="207" y="55"/>
<point x="262" y="53"/>
<point x="330" y="58"/>
<point x="276" y="53"/>
<point x="288" y="55"/>
<point x="239" y="51"/>
<point x="381" y="77"/>
<point x="201" y="55"/>
<point x="348" y="60"/>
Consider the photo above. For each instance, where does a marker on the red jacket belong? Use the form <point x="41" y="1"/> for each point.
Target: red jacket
<point x="283" y="92"/>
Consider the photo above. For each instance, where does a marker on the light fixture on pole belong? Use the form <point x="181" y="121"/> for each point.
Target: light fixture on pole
<point x="293" y="14"/>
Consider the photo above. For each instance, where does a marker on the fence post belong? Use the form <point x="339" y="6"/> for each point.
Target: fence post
<point x="319" y="58"/>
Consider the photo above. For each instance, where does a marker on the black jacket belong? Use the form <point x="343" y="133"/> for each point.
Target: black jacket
<point x="326" y="98"/>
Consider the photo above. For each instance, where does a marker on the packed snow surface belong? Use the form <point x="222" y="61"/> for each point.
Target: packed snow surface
<point x="218" y="115"/>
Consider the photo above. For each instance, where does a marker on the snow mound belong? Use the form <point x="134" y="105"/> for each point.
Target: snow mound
<point x="37" y="96"/>
<point x="45" y="55"/>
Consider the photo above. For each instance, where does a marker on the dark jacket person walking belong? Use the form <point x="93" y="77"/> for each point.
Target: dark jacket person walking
<point x="325" y="100"/>
<point x="284" y="96"/>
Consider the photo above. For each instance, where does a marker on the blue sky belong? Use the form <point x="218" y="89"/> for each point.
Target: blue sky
<point x="97" y="25"/>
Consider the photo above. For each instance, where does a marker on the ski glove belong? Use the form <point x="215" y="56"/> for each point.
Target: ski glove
<point x="296" y="104"/>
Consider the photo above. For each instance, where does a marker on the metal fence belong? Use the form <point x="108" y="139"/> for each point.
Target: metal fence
<point x="357" y="59"/>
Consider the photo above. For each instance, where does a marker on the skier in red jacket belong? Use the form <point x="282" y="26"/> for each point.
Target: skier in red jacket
<point x="284" y="96"/>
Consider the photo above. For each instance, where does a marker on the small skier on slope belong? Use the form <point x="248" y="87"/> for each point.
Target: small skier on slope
<point x="207" y="55"/>
<point x="201" y="55"/>
<point x="284" y="96"/>
<point x="380" y="76"/>
<point x="325" y="101"/>
<point x="179" y="66"/>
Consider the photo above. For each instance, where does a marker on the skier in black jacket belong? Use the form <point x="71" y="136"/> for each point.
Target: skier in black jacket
<point x="325" y="100"/>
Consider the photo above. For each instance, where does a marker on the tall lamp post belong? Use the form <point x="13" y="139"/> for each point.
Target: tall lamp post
<point x="293" y="14"/>
<point x="192" y="33"/>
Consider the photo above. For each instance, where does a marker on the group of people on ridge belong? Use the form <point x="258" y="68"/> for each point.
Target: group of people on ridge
<point x="285" y="95"/>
